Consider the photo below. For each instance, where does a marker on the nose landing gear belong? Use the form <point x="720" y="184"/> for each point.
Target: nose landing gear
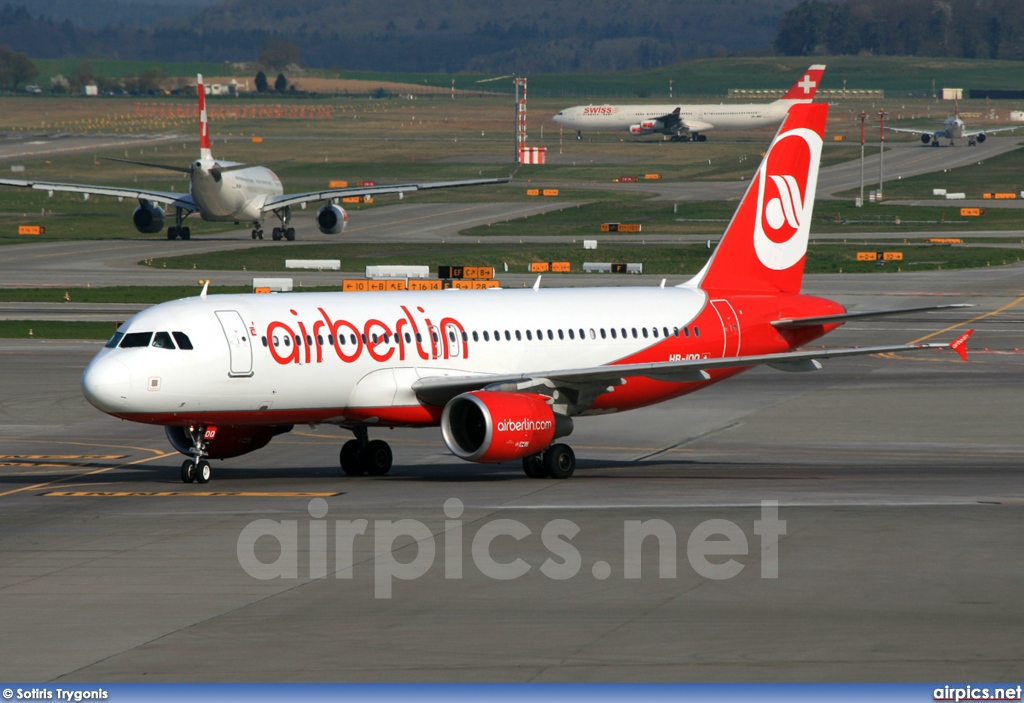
<point x="197" y="469"/>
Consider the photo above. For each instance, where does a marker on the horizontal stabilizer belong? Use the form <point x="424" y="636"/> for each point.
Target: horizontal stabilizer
<point x="165" y="167"/>
<point x="793" y="323"/>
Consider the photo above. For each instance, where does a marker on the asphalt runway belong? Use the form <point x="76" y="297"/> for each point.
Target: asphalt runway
<point x="898" y="480"/>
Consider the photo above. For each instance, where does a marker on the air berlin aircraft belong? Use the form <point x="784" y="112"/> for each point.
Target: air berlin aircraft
<point x="226" y="191"/>
<point x="504" y="373"/>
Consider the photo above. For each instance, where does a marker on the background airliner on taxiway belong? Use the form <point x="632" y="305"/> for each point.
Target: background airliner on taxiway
<point x="688" y="122"/>
<point x="952" y="129"/>
<point x="225" y="191"/>
<point x="502" y="372"/>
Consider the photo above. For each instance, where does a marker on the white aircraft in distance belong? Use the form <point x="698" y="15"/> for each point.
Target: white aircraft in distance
<point x="952" y="129"/>
<point x="225" y="191"/>
<point x="688" y="122"/>
<point x="502" y="372"/>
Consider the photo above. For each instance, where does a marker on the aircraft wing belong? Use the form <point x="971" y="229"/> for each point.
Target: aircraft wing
<point x="975" y="132"/>
<point x="933" y="132"/>
<point x="281" y="201"/>
<point x="182" y="200"/>
<point x="580" y="387"/>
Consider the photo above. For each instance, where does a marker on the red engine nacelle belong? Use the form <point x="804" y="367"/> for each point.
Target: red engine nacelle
<point x="637" y="129"/>
<point x="224" y="442"/>
<point x="494" y="426"/>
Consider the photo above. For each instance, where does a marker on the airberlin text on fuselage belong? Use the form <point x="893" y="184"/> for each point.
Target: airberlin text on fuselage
<point x="379" y="339"/>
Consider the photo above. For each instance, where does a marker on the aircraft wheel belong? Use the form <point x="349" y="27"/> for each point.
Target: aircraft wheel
<point x="188" y="471"/>
<point x="186" y="233"/>
<point x="559" y="461"/>
<point x="533" y="466"/>
<point x="289" y="234"/>
<point x="203" y="472"/>
<point x="702" y="137"/>
<point x="172" y="233"/>
<point x="349" y="458"/>
<point x="275" y="234"/>
<point x="259" y="234"/>
<point x="376" y="457"/>
<point x="254" y="234"/>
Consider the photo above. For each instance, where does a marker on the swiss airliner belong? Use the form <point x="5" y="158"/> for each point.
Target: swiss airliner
<point x="226" y="191"/>
<point x="688" y="122"/>
<point x="503" y="373"/>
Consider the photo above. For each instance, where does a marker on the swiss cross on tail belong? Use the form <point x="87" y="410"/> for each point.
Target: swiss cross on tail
<point x="807" y="86"/>
<point x="764" y="247"/>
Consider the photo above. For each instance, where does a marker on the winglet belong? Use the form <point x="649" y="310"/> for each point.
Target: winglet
<point x="206" y="288"/>
<point x="536" y="285"/>
<point x="959" y="345"/>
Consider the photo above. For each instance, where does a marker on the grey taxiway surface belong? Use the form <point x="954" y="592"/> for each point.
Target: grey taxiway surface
<point x="898" y="479"/>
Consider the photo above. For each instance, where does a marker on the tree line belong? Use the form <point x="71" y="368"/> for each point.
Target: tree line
<point x="970" y="29"/>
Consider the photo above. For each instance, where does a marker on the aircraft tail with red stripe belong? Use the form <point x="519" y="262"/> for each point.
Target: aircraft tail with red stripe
<point x="205" y="152"/>
<point x="765" y="245"/>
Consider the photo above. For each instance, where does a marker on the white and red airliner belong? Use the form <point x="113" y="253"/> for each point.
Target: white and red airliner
<point x="502" y="372"/>
<point x="689" y="122"/>
<point x="226" y="191"/>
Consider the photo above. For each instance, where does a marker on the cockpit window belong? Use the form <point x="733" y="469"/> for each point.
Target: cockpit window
<point x="136" y="339"/>
<point x="114" y="340"/>
<point x="182" y="339"/>
<point x="162" y="340"/>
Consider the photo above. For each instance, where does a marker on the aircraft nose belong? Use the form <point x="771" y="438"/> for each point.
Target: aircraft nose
<point x="105" y="383"/>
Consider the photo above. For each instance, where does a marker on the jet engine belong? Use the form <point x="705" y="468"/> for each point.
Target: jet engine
<point x="926" y="138"/>
<point x="331" y="219"/>
<point x="638" y="129"/>
<point x="148" y="218"/>
<point x="495" y="426"/>
<point x="980" y="138"/>
<point x="652" y="125"/>
<point x="227" y="441"/>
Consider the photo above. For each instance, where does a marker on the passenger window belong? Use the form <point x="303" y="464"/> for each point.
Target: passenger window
<point x="408" y="339"/>
<point x="519" y="336"/>
<point x="665" y="330"/>
<point x="363" y="336"/>
<point x="508" y="337"/>
<point x="624" y="335"/>
<point x="320" y="339"/>
<point x="643" y="330"/>
<point x="309" y="339"/>
<point x="583" y="334"/>
<point x="696" y="331"/>
<point x="419" y="337"/>
<point x="603" y="336"/>
<point x="451" y="336"/>
<point x="551" y="335"/>
<point x="487" y="337"/>
<point x="162" y="340"/>
<point x="287" y="340"/>
<point x="136" y="339"/>
<point x="686" y="331"/>
<point x="634" y="333"/>
<point x="330" y="339"/>
<point x="112" y="344"/>
<point x="465" y="336"/>
<point x="476" y="337"/>
<point x="373" y="338"/>
<point x="298" y="341"/>
<point x="593" y="335"/>
<point x="613" y="333"/>
<point x="264" y="340"/>
<point x="654" y="332"/>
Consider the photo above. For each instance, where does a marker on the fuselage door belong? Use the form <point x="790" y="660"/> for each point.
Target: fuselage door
<point x="730" y="327"/>
<point x="238" y="342"/>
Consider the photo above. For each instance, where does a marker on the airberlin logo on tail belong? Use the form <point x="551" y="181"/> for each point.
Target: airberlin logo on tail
<point x="786" y="183"/>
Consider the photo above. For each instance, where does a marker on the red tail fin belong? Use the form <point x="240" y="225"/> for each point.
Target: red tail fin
<point x="807" y="86"/>
<point x="764" y="247"/>
<point x="204" y="122"/>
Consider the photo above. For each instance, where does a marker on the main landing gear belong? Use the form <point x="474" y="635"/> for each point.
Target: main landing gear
<point x="257" y="232"/>
<point x="177" y="230"/>
<point x="364" y="456"/>
<point x="284" y="231"/>
<point x="196" y="469"/>
<point x="557" y="461"/>
<point x="688" y="138"/>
